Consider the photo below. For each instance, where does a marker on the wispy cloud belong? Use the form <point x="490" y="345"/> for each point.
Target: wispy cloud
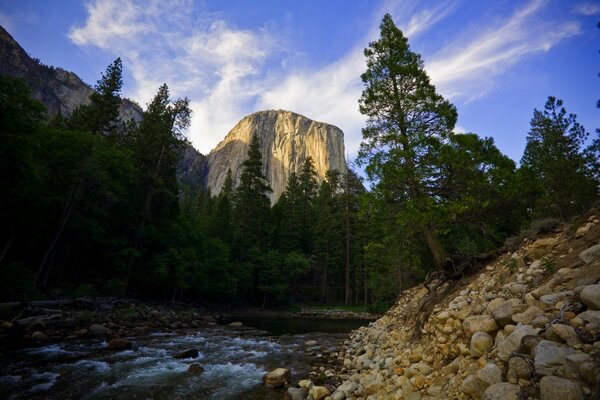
<point x="200" y="55"/>
<point x="587" y="9"/>
<point x="229" y="72"/>
<point x="468" y="68"/>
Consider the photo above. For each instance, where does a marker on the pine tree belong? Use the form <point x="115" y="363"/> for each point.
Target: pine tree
<point x="102" y="114"/>
<point x="407" y="122"/>
<point x="554" y="152"/>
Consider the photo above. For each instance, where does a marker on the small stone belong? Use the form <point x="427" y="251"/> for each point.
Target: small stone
<point x="119" y="344"/>
<point x="195" y="369"/>
<point x="277" y="378"/>
<point x="236" y="324"/>
<point x="590" y="295"/>
<point x="479" y="323"/>
<point x="555" y="388"/>
<point x="502" y="391"/>
<point x="305" y="384"/>
<point x="319" y="392"/>
<point x="481" y="342"/>
<point x="311" y="343"/>
<point x="298" y="394"/>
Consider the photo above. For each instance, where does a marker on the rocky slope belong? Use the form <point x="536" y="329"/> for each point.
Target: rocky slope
<point x="286" y="140"/>
<point x="527" y="326"/>
<point x="59" y="90"/>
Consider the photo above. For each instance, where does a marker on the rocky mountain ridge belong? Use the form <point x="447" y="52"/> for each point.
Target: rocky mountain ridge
<point x="59" y="90"/>
<point x="526" y="326"/>
<point x="286" y="140"/>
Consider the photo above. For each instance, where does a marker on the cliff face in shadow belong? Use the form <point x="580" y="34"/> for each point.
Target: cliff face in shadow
<point x="59" y="90"/>
<point x="286" y="139"/>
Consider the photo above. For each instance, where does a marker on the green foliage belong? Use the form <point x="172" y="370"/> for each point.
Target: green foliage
<point x="102" y="114"/>
<point x="407" y="123"/>
<point x="555" y="155"/>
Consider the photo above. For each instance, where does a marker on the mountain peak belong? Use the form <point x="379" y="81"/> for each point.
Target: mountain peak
<point x="286" y="139"/>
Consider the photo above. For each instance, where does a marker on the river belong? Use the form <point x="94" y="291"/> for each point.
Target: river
<point x="234" y="361"/>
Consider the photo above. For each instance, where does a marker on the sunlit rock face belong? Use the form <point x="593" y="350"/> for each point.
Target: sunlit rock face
<point x="286" y="140"/>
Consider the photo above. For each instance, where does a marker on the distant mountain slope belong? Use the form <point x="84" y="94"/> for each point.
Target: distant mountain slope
<point x="59" y="90"/>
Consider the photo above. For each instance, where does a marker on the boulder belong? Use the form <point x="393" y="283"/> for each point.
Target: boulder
<point x="503" y="313"/>
<point x="98" y="330"/>
<point x="119" y="344"/>
<point x="502" y="391"/>
<point x="475" y="385"/>
<point x="195" y="369"/>
<point x="419" y="368"/>
<point x="528" y="315"/>
<point x="519" y="368"/>
<point x="277" y="378"/>
<point x="590" y="317"/>
<point x="590" y="255"/>
<point x="295" y="394"/>
<point x="319" y="392"/>
<point x="348" y="388"/>
<point x="590" y="295"/>
<point x="481" y="342"/>
<point x="562" y="333"/>
<point x="555" y="388"/>
<point x="190" y="353"/>
<point x="550" y="357"/>
<point x="479" y="323"/>
<point x="513" y="341"/>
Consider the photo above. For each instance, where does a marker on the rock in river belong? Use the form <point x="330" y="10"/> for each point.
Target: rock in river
<point x="277" y="378"/>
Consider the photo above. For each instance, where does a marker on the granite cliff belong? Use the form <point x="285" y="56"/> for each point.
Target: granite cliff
<point x="286" y="139"/>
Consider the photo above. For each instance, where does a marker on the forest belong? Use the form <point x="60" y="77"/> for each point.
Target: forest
<point x="91" y="205"/>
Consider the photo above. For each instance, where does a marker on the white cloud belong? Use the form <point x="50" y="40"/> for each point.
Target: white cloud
<point x="230" y="72"/>
<point x="468" y="68"/>
<point x="197" y="54"/>
<point x="587" y="9"/>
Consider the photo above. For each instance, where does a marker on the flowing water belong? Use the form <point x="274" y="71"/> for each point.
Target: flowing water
<point x="234" y="361"/>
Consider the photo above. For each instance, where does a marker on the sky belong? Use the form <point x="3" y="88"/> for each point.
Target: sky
<point x="494" y="60"/>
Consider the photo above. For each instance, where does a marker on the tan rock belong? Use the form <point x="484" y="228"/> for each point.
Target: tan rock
<point x="555" y="388"/>
<point x="319" y="392"/>
<point x="479" y="323"/>
<point x="481" y="342"/>
<point x="277" y="377"/>
<point x="286" y="139"/>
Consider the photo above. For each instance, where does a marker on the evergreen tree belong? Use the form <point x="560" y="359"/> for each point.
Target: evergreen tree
<point x="407" y="122"/>
<point x="102" y="114"/>
<point x="554" y="152"/>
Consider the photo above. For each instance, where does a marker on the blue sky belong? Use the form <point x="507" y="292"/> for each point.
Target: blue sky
<point x="495" y="60"/>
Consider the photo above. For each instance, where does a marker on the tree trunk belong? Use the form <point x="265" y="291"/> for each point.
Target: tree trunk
<point x="348" y="295"/>
<point x="437" y="251"/>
